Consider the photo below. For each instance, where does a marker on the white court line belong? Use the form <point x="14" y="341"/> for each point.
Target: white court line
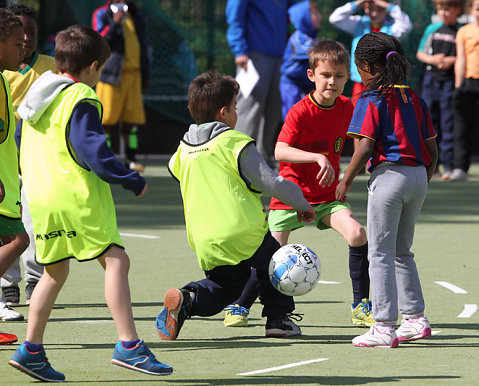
<point x="140" y="236"/>
<point x="284" y="366"/>
<point x="435" y="332"/>
<point x="328" y="282"/>
<point x="468" y="311"/>
<point x="452" y="287"/>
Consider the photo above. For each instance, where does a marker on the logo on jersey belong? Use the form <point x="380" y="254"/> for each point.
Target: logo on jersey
<point x="53" y="234"/>
<point x="338" y="145"/>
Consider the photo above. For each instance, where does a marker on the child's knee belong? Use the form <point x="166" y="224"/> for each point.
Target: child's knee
<point x="22" y="241"/>
<point x="357" y="237"/>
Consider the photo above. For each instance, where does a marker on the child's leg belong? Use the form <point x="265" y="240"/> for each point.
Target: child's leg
<point x="116" y="263"/>
<point x="345" y="223"/>
<point x="13" y="246"/>
<point x="410" y="298"/>
<point x="43" y="299"/>
<point x="281" y="236"/>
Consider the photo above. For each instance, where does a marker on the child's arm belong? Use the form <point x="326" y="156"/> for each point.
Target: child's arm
<point x="433" y="60"/>
<point x="260" y="176"/>
<point x="432" y="147"/>
<point x="361" y="154"/>
<point x="343" y="17"/>
<point x="286" y="153"/>
<point x="402" y="22"/>
<point x="93" y="153"/>
<point x="460" y="65"/>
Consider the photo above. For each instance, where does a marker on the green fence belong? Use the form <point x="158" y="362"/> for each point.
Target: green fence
<point x="188" y="36"/>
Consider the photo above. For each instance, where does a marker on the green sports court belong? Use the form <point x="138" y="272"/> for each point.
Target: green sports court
<point x="81" y="334"/>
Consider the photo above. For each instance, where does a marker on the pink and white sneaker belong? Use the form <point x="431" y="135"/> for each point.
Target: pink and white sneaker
<point x="377" y="336"/>
<point x="413" y="329"/>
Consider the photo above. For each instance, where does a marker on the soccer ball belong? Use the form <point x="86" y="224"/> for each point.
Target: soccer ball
<point x="294" y="269"/>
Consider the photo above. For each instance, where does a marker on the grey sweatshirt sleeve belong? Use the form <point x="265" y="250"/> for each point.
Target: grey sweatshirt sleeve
<point x="256" y="171"/>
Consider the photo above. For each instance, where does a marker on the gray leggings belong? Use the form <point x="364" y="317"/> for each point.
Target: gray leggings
<point x="395" y="197"/>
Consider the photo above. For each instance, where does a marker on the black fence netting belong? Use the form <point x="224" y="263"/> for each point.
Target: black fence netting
<point x="187" y="37"/>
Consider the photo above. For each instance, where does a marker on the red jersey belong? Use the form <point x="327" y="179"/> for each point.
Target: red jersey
<point x="311" y="127"/>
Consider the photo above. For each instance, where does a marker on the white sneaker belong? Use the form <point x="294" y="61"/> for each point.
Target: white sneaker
<point x="8" y="314"/>
<point x="377" y="336"/>
<point x="413" y="329"/>
<point x="458" y="175"/>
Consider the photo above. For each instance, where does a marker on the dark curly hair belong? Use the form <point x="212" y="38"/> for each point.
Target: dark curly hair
<point x="384" y="56"/>
<point x="8" y="22"/>
<point x="23" y="10"/>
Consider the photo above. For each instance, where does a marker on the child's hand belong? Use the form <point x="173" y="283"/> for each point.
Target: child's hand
<point x="308" y="216"/>
<point x="326" y="175"/>
<point x="341" y="191"/>
<point x="381" y="3"/>
<point x="437" y="59"/>
<point x="2" y="191"/>
<point x="447" y="62"/>
<point x="360" y="3"/>
<point x="143" y="192"/>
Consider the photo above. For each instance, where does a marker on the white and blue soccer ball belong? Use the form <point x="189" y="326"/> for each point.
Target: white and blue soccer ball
<point x="294" y="269"/>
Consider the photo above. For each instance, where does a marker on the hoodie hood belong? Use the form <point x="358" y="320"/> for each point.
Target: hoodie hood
<point x="199" y="134"/>
<point x="300" y="17"/>
<point x="41" y="94"/>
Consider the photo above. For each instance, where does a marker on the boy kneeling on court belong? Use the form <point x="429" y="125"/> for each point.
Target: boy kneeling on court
<point x="222" y="176"/>
<point x="67" y="167"/>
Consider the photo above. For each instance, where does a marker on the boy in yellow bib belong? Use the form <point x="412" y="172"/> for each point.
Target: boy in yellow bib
<point x="222" y="177"/>
<point x="67" y="167"/>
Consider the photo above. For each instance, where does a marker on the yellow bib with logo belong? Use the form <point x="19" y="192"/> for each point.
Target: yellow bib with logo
<point x="72" y="209"/>
<point x="225" y="220"/>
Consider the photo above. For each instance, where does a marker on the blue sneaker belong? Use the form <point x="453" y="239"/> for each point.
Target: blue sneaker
<point x="35" y="364"/>
<point x="139" y="358"/>
<point x="177" y="308"/>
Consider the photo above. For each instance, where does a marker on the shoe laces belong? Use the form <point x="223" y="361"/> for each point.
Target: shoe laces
<point x="235" y="309"/>
<point x="295" y="316"/>
<point x="367" y="307"/>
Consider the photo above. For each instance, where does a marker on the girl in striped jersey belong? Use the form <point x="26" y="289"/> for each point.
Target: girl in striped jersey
<point x="395" y="134"/>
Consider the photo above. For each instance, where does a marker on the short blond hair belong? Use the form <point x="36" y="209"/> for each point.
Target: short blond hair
<point x="326" y="49"/>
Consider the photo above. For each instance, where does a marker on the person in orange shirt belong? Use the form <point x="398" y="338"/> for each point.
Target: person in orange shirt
<point x="466" y="96"/>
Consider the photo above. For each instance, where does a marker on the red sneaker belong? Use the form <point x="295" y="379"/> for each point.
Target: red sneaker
<point x="7" y="338"/>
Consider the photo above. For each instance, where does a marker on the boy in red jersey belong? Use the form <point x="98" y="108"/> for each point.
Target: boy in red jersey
<point x="309" y="147"/>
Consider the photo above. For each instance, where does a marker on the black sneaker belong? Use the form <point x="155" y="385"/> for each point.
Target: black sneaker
<point x="29" y="290"/>
<point x="177" y="308"/>
<point x="11" y="296"/>
<point x="283" y="326"/>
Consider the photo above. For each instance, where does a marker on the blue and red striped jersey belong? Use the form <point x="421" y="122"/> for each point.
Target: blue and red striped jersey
<point x="398" y="122"/>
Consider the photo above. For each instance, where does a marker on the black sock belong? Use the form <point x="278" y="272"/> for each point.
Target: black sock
<point x="359" y="272"/>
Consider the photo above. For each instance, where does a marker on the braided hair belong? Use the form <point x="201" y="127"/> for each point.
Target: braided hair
<point x="384" y="56"/>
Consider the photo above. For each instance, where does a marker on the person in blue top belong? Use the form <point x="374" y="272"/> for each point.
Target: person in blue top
<point x="294" y="83"/>
<point x="379" y="16"/>
<point x="437" y="50"/>
<point x="258" y="30"/>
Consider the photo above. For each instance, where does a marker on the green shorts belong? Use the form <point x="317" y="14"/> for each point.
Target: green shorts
<point x="10" y="226"/>
<point x="287" y="220"/>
